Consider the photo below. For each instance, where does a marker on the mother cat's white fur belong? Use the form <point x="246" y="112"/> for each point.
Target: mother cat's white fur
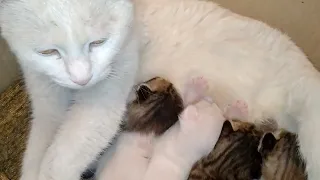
<point x="242" y="58"/>
<point x="72" y="123"/>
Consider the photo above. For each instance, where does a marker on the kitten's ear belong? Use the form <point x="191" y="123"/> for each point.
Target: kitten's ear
<point x="227" y="128"/>
<point x="267" y="143"/>
<point x="143" y="92"/>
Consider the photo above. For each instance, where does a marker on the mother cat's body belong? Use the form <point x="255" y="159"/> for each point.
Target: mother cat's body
<point x="242" y="59"/>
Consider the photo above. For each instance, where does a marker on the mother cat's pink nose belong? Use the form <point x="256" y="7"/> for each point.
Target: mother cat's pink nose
<point x="79" y="70"/>
<point x="82" y="81"/>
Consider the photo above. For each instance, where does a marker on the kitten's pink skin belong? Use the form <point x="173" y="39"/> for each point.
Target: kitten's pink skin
<point x="195" y="90"/>
<point x="237" y="110"/>
<point x="186" y="142"/>
<point x="145" y="143"/>
<point x="131" y="153"/>
<point x="200" y="127"/>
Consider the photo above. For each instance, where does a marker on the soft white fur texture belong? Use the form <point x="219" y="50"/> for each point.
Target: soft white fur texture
<point x="72" y="123"/>
<point x="241" y="58"/>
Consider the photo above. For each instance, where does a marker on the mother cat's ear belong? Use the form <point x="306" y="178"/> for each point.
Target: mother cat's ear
<point x="267" y="143"/>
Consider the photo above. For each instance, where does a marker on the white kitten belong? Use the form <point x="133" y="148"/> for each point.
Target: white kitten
<point x="128" y="159"/>
<point x="186" y="142"/>
<point x="78" y="51"/>
<point x="241" y="58"/>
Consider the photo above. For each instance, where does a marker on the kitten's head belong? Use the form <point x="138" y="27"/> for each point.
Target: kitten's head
<point x="282" y="159"/>
<point x="74" y="42"/>
<point x="235" y="155"/>
<point x="156" y="107"/>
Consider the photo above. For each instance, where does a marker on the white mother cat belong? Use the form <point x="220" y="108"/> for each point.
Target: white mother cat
<point x="65" y="44"/>
<point x="79" y="59"/>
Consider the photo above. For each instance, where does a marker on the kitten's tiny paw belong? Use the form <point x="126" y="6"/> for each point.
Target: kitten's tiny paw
<point x="198" y="137"/>
<point x="145" y="143"/>
<point x="200" y="84"/>
<point x="237" y="110"/>
<point x="196" y="89"/>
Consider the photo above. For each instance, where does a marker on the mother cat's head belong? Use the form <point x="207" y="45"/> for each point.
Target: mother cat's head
<point x="74" y="42"/>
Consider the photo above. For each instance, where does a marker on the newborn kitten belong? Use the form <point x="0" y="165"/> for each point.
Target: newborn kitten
<point x="187" y="141"/>
<point x="235" y="155"/>
<point x="156" y="108"/>
<point x="282" y="159"/>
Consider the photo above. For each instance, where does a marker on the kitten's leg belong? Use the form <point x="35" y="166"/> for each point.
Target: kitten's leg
<point x="180" y="147"/>
<point x="129" y="160"/>
<point x="195" y="90"/>
<point x="237" y="110"/>
<point x="49" y="103"/>
<point x="206" y="116"/>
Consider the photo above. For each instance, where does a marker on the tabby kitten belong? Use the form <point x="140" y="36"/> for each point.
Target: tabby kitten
<point x="234" y="157"/>
<point x="155" y="109"/>
<point x="281" y="157"/>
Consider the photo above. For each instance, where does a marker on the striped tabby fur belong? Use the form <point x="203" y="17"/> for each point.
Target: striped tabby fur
<point x="235" y="156"/>
<point x="281" y="157"/>
<point x="156" y="108"/>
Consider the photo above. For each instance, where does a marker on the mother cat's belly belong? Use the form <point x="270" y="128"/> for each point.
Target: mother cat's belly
<point x="241" y="58"/>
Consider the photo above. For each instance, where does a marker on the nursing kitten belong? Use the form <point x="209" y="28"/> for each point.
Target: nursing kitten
<point x="235" y="155"/>
<point x="282" y="159"/>
<point x="79" y="59"/>
<point x="155" y="109"/>
<point x="193" y="137"/>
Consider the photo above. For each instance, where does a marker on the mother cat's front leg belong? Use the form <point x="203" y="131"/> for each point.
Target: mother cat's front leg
<point x="48" y="102"/>
<point x="92" y="122"/>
